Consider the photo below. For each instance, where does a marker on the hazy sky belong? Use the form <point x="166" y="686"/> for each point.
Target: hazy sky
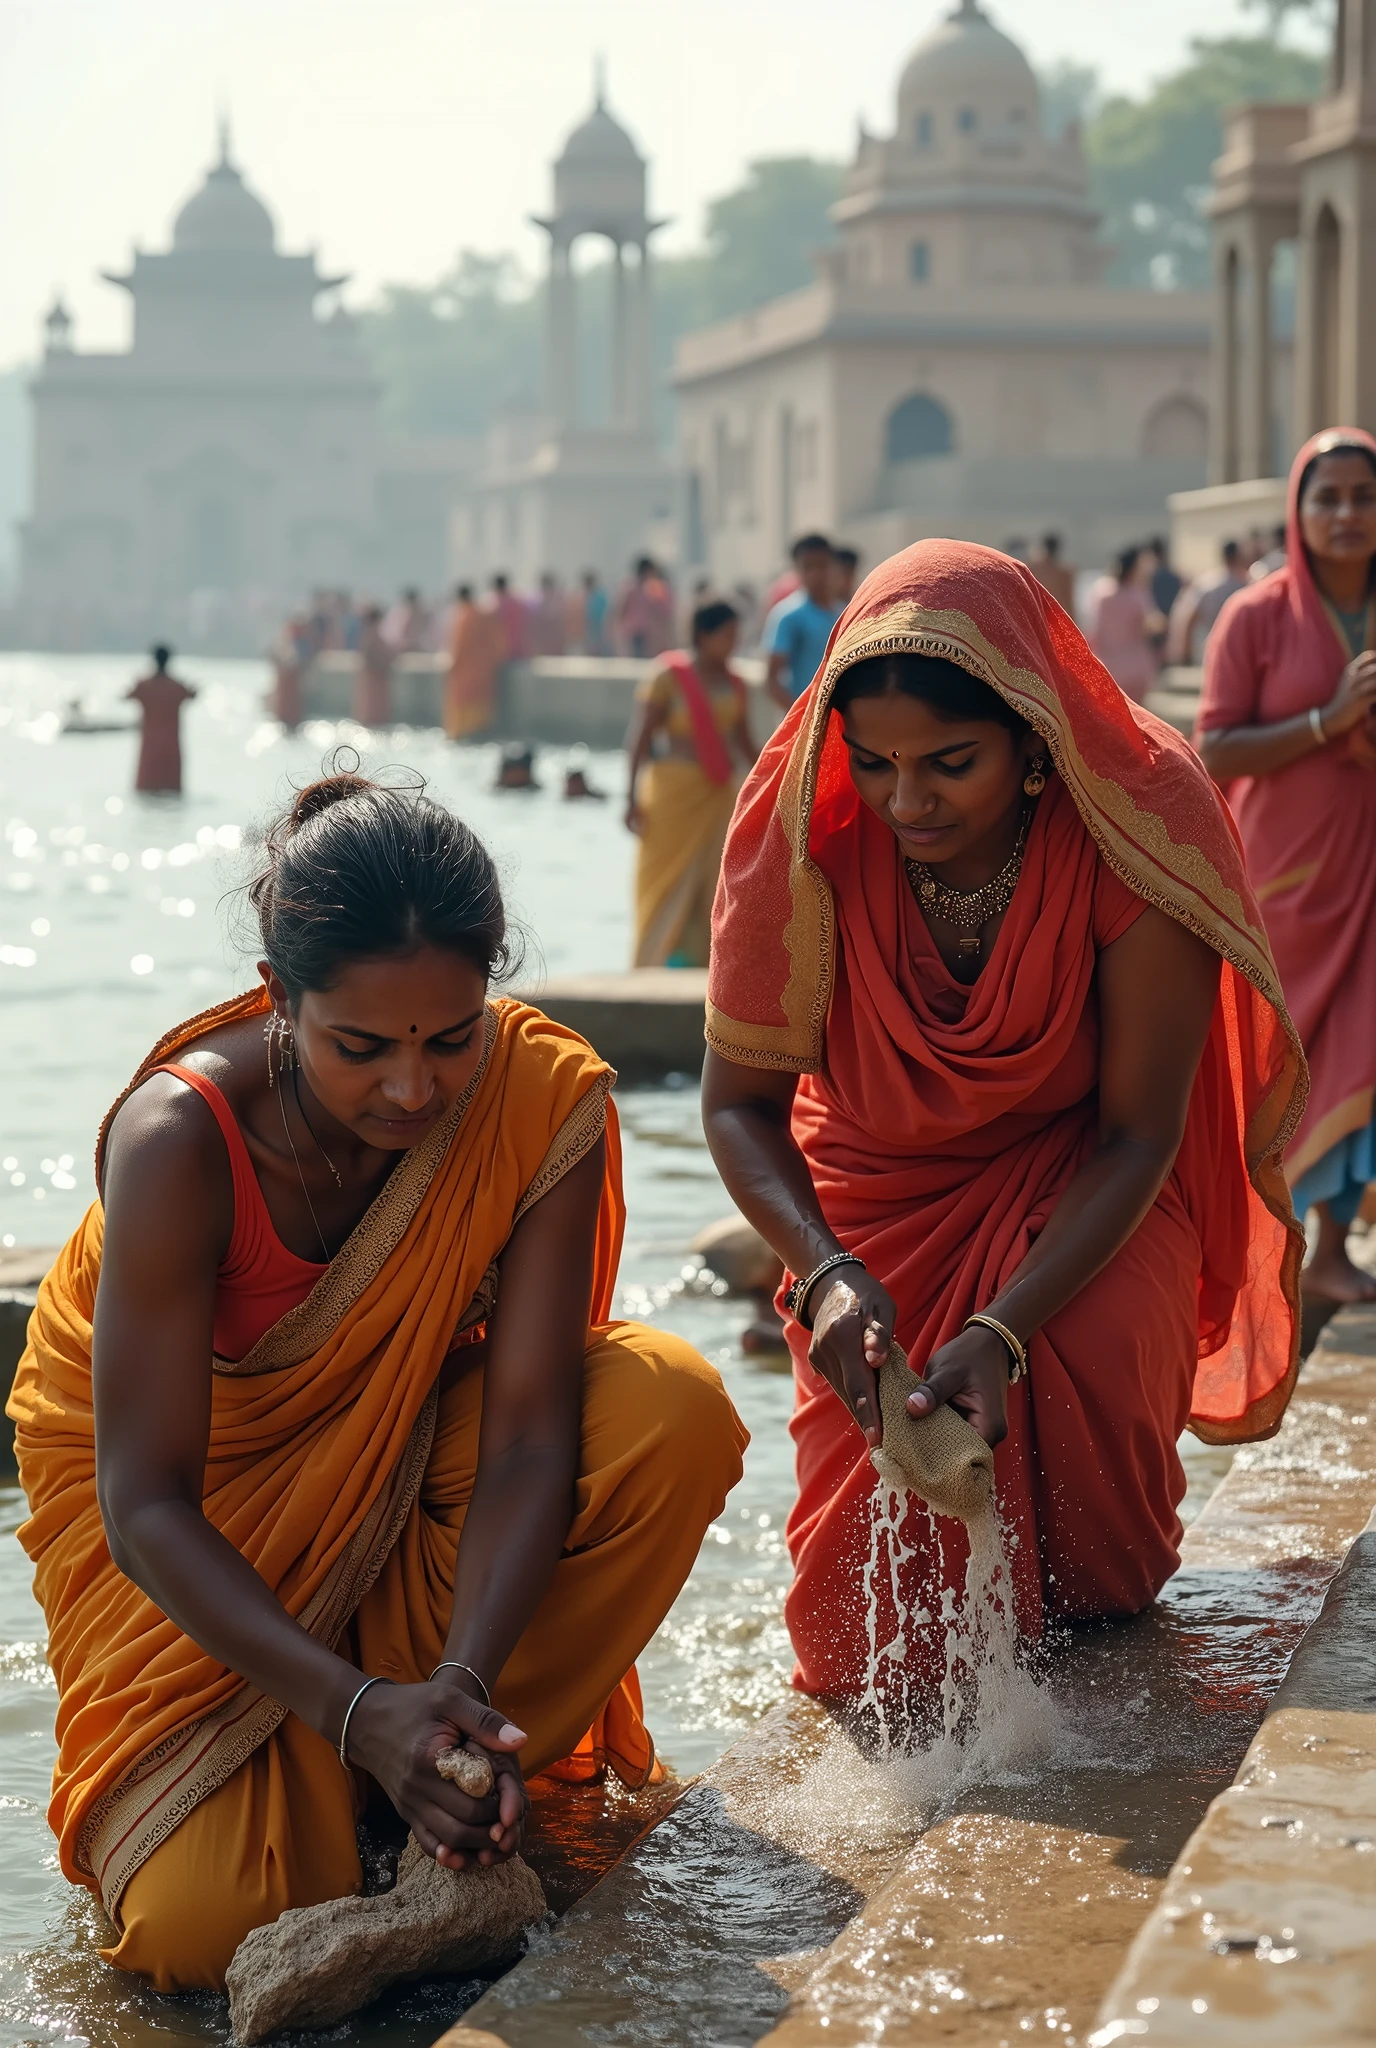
<point x="392" y="132"/>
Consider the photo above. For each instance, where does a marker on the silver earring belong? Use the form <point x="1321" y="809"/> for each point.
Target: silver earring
<point x="281" y="1044"/>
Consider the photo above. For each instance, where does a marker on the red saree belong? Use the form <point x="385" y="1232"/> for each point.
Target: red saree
<point x="1309" y="831"/>
<point x="941" y="1124"/>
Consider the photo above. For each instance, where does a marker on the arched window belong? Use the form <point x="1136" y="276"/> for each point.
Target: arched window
<point x="919" y="262"/>
<point x="967" y="120"/>
<point x="1176" y="430"/>
<point x="917" y="428"/>
<point x="924" y="131"/>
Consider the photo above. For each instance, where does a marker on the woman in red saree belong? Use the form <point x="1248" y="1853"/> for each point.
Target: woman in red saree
<point x="1287" y="725"/>
<point x="991" y="1010"/>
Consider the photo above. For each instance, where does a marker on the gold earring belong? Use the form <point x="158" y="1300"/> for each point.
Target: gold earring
<point x="281" y="1039"/>
<point x="1034" y="782"/>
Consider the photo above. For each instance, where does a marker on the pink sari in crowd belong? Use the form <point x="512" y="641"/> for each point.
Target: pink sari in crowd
<point x="1117" y="631"/>
<point x="1309" y="831"/>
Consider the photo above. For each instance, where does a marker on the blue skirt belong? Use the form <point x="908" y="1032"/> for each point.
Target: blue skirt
<point x="1341" y="1177"/>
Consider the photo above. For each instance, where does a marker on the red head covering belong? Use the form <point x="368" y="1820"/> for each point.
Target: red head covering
<point x="1150" y="811"/>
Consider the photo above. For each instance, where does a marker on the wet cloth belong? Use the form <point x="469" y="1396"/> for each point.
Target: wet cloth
<point x="685" y="808"/>
<point x="338" y="1469"/>
<point x="941" y="1123"/>
<point x="1309" y="831"/>
<point x="799" y="628"/>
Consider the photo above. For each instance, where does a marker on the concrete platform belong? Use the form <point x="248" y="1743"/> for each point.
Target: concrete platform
<point x="646" y="1023"/>
<point x="560" y="699"/>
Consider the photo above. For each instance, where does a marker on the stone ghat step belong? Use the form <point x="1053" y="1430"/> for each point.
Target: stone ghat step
<point x="646" y="1023"/>
<point x="781" y="1901"/>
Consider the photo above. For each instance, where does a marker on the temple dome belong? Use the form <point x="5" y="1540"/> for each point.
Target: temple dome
<point x="224" y="214"/>
<point x="601" y="142"/>
<point x="968" y="63"/>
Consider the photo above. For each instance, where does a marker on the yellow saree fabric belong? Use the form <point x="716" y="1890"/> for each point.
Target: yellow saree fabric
<point x="324" y="1441"/>
<point x="685" y="819"/>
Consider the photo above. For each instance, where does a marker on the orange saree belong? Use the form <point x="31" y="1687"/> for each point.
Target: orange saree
<point x="941" y="1123"/>
<point x="342" y="1472"/>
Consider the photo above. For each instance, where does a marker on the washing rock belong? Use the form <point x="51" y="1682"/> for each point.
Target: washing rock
<point x="737" y="1254"/>
<point x="316" y="1964"/>
<point x="939" y="1457"/>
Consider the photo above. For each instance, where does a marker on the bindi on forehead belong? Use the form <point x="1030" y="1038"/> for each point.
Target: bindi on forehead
<point x="413" y="1031"/>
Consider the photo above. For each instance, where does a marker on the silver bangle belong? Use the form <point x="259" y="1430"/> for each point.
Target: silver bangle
<point x="453" y="1664"/>
<point x="1316" y="725"/>
<point x="348" y="1715"/>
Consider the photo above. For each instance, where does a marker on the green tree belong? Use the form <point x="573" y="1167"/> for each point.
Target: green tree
<point x="1150" y="159"/>
<point x="454" y="354"/>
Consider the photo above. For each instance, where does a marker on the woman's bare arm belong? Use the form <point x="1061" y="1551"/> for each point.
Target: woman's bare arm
<point x="646" y="720"/>
<point x="168" y="1217"/>
<point x="1238" y="750"/>
<point x="1157" y="985"/>
<point x="746" y="1113"/>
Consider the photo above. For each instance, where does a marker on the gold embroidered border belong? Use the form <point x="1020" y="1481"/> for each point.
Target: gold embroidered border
<point x="369" y="1244"/>
<point x="128" y="1822"/>
<point x="1291" y="879"/>
<point x="573" y="1140"/>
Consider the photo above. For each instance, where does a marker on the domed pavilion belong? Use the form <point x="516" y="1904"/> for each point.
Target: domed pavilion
<point x="959" y="366"/>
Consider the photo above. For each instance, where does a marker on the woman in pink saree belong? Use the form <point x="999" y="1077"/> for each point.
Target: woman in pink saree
<point x="1287" y="727"/>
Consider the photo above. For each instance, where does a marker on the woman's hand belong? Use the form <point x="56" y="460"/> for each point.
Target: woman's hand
<point x="852" y="1330"/>
<point x="395" y="1735"/>
<point x="971" y="1373"/>
<point x="1353" y="698"/>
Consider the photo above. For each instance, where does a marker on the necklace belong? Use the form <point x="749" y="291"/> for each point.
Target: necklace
<point x="969" y="910"/>
<point x="296" y="1157"/>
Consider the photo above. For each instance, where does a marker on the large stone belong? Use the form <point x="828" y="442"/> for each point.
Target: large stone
<point x="317" y="1964"/>
<point x="939" y="1457"/>
<point x="737" y="1254"/>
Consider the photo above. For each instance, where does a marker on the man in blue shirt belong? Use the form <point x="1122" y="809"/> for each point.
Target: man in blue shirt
<point x="798" y="628"/>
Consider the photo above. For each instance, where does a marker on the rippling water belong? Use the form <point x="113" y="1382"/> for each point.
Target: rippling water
<point x="111" y="928"/>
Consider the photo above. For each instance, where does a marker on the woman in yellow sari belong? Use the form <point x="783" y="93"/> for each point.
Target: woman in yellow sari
<point x="689" y="746"/>
<point x="333" y="1454"/>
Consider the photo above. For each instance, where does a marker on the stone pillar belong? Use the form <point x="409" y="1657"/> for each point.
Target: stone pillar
<point x="622" y="404"/>
<point x="561" y="335"/>
<point x="642" y="346"/>
<point x="1224" y="366"/>
<point x="1255" y="439"/>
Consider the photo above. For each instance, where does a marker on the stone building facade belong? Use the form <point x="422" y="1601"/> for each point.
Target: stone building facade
<point x="229" y="461"/>
<point x="958" y="367"/>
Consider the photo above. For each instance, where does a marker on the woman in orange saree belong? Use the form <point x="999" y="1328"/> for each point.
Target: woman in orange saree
<point x="1049" y="1087"/>
<point x="1287" y="725"/>
<point x="428" y="1491"/>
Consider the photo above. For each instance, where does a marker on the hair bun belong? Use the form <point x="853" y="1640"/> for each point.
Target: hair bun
<point x="319" y="796"/>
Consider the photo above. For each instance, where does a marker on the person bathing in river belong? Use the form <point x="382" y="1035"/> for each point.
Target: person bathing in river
<point x="334" y="1453"/>
<point x="688" y="746"/>
<point x="160" y="696"/>
<point x="1000" y="1067"/>
<point x="1287" y="725"/>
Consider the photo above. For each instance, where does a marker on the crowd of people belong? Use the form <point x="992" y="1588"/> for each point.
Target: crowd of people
<point x="1032" y="1031"/>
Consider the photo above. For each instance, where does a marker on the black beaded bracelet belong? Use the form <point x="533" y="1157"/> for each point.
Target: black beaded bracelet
<point x="795" y="1300"/>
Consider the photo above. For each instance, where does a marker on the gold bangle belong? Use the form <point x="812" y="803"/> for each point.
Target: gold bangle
<point x="1017" y="1350"/>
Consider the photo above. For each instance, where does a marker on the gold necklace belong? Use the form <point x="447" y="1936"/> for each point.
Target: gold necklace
<point x="969" y="910"/>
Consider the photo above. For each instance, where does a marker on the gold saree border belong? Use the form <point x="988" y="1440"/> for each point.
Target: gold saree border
<point x="137" y="1815"/>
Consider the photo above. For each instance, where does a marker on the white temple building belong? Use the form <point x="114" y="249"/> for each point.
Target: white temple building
<point x="580" y="487"/>
<point x="959" y="367"/>
<point x="230" y="460"/>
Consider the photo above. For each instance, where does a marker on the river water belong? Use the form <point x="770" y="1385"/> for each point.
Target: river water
<point x="117" y="919"/>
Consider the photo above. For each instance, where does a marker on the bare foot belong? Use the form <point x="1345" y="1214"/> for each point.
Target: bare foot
<point x="1331" y="1276"/>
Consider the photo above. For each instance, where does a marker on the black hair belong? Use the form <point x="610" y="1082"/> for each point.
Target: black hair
<point x="356" y="870"/>
<point x="711" y="617"/>
<point x="1051" y="545"/>
<point x="810" y="544"/>
<point x="162" y="655"/>
<point x="847" y="557"/>
<point x="949" y="690"/>
<point x="1125" y="561"/>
